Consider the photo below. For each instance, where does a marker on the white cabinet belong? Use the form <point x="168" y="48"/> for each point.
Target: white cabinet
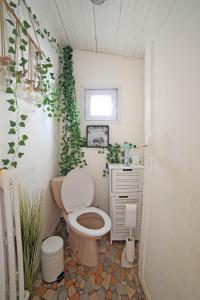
<point x="126" y="186"/>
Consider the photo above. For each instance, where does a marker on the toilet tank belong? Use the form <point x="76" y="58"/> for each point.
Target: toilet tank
<point x="56" y="184"/>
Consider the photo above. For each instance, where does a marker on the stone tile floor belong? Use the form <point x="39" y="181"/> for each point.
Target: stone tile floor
<point x="106" y="281"/>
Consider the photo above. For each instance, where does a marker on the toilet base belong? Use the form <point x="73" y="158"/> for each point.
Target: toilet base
<point x="84" y="249"/>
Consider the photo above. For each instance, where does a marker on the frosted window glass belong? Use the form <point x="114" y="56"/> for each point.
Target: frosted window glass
<point x="101" y="104"/>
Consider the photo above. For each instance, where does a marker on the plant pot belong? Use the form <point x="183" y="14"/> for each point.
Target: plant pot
<point x="20" y="74"/>
<point x="30" y="82"/>
<point x="5" y="61"/>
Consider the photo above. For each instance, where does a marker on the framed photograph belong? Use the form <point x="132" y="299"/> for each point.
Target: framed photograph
<point x="97" y="136"/>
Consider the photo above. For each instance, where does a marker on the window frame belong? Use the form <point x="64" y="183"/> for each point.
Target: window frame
<point x="118" y="106"/>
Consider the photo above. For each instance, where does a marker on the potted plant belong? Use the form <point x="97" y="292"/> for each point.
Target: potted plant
<point x="30" y="215"/>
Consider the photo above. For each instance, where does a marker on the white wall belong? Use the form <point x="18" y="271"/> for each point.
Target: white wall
<point x="99" y="70"/>
<point x="170" y="265"/>
<point x="39" y="164"/>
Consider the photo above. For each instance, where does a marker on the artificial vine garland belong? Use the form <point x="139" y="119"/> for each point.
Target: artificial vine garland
<point x="25" y="65"/>
<point x="114" y="155"/>
<point x="71" y="153"/>
<point x="59" y="102"/>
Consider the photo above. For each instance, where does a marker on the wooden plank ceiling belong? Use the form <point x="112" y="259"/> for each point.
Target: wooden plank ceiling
<point x="117" y="27"/>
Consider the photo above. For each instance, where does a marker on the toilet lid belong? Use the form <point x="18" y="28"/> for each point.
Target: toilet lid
<point x="77" y="190"/>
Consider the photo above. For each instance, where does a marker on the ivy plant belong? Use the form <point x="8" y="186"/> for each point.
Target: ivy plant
<point x="59" y="102"/>
<point x="15" y="69"/>
<point x="71" y="152"/>
<point x="114" y="155"/>
<point x="18" y="64"/>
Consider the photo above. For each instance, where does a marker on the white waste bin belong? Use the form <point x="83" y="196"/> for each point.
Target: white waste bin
<point x="52" y="258"/>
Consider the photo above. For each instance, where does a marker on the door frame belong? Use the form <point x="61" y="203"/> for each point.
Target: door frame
<point x="148" y="158"/>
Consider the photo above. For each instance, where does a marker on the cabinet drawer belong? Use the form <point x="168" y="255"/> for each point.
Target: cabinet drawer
<point x="127" y="180"/>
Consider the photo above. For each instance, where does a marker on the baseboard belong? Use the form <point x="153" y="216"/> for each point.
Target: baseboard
<point x="144" y="287"/>
<point x="51" y="231"/>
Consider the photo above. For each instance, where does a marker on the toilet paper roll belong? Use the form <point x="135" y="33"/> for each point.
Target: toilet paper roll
<point x="130" y="215"/>
<point x="130" y="249"/>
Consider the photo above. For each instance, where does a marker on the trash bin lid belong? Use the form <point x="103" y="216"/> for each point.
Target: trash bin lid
<point x="52" y="245"/>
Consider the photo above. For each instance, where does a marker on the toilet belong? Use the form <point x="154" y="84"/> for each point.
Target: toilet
<point x="73" y="195"/>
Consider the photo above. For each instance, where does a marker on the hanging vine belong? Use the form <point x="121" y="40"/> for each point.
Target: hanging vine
<point x="114" y="155"/>
<point x="71" y="153"/>
<point x="26" y="65"/>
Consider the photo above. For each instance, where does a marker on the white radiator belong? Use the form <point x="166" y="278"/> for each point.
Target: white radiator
<point x="11" y="259"/>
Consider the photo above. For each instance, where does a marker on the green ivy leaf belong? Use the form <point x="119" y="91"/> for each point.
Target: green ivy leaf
<point x="11" y="101"/>
<point x="12" y="69"/>
<point x="5" y="162"/>
<point x="23" y="117"/>
<point x="9" y="90"/>
<point x="12" y="131"/>
<point x="12" y="123"/>
<point x="24" y="42"/>
<point x="25" y="32"/>
<point x="11" y="151"/>
<point x="23" y="62"/>
<point x="50" y="115"/>
<point x="11" y="144"/>
<point x="11" y="40"/>
<point x="15" y="31"/>
<point x="11" y="50"/>
<point x="39" y="105"/>
<point x="12" y="4"/>
<point x="26" y="24"/>
<point x="21" y="124"/>
<point x="12" y="108"/>
<point x="24" y="137"/>
<point x="52" y="75"/>
<point x="20" y="154"/>
<point x="22" y="47"/>
<point x="10" y="22"/>
<point x="14" y="164"/>
<point x="22" y="143"/>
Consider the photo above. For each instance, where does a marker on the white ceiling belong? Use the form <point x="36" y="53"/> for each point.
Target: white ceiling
<point x="117" y="27"/>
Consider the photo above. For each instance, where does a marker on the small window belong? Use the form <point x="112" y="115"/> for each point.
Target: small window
<point x="101" y="104"/>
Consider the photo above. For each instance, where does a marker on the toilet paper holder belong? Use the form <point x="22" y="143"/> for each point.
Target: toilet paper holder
<point x="128" y="254"/>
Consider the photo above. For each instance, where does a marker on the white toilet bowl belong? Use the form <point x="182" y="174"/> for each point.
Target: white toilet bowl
<point x="74" y="194"/>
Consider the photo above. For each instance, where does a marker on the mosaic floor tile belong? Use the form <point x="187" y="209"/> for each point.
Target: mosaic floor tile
<point x="92" y="280"/>
<point x="50" y="295"/>
<point x="71" y="291"/>
<point x="130" y="291"/>
<point x="62" y="293"/>
<point x="106" y="281"/>
<point x="84" y="297"/>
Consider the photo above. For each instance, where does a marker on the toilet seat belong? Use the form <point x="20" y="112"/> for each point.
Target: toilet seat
<point x="73" y="216"/>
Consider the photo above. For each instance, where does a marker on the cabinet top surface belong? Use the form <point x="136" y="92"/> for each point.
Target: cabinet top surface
<point x="122" y="166"/>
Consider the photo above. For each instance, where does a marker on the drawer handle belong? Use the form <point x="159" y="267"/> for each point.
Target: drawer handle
<point x="123" y="196"/>
<point x="127" y="170"/>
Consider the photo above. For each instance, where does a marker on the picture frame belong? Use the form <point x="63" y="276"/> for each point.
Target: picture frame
<point x="97" y="136"/>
